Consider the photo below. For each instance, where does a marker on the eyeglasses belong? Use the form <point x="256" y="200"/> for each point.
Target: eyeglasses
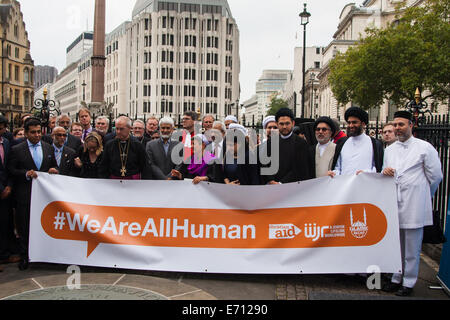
<point x="322" y="129"/>
<point x="61" y="134"/>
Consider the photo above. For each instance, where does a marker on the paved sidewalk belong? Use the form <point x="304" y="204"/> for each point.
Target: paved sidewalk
<point x="48" y="281"/>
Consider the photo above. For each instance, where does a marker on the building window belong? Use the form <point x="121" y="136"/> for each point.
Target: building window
<point x="26" y="75"/>
<point x="16" y="97"/>
<point x="16" y="73"/>
<point x="27" y="99"/>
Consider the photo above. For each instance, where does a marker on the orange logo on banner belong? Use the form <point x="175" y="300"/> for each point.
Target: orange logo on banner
<point x="310" y="227"/>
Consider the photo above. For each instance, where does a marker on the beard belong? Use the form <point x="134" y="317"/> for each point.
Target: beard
<point x="165" y="137"/>
<point x="357" y="132"/>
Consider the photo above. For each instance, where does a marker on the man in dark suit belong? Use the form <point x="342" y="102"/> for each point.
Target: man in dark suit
<point x="26" y="160"/>
<point x="159" y="152"/>
<point x="71" y="141"/>
<point x="6" y="218"/>
<point x="65" y="156"/>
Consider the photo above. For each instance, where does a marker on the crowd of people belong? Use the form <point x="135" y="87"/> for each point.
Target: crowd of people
<point x="217" y="152"/>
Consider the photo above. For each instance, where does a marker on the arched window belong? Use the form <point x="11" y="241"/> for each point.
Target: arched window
<point x="16" y="30"/>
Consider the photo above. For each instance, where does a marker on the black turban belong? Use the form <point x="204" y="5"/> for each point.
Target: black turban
<point x="357" y="113"/>
<point x="403" y="114"/>
<point x="284" y="112"/>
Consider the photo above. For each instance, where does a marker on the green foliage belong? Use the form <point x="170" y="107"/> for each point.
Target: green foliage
<point x="275" y="105"/>
<point x="391" y="63"/>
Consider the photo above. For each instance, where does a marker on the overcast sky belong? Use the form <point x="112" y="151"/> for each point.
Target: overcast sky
<point x="269" y="30"/>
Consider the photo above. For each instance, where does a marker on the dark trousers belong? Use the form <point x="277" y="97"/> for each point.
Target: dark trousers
<point x="23" y="226"/>
<point x="8" y="243"/>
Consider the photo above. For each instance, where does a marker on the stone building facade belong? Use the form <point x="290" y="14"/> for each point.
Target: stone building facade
<point x="17" y="66"/>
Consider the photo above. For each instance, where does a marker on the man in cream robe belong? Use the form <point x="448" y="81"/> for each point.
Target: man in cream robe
<point x="323" y="152"/>
<point x="416" y="168"/>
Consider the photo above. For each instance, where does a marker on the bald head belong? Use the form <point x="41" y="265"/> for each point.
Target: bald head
<point x="123" y="127"/>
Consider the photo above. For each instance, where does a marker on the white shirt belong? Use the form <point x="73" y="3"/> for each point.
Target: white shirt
<point x="322" y="147"/>
<point x="357" y="154"/>
<point x="417" y="175"/>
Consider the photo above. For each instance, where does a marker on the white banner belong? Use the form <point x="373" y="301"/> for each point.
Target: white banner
<point x="343" y="225"/>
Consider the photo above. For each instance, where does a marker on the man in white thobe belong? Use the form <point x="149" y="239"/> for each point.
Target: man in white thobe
<point x="416" y="168"/>
<point x="359" y="152"/>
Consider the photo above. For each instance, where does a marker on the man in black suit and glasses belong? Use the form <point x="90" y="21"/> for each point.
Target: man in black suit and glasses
<point x="26" y="160"/>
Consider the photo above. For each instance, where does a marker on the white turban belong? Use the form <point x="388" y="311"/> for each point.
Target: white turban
<point x="238" y="127"/>
<point x="231" y="118"/>
<point x="268" y="120"/>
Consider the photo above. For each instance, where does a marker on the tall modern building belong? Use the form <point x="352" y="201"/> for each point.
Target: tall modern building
<point x="44" y="75"/>
<point x="184" y="55"/>
<point x="269" y="85"/>
<point x="79" y="46"/>
<point x="173" y="56"/>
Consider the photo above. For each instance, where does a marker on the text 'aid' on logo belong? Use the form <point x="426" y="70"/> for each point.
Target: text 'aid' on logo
<point x="283" y="231"/>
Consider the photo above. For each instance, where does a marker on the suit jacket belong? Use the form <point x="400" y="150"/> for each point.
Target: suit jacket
<point x="5" y="177"/>
<point x="378" y="152"/>
<point x="73" y="142"/>
<point x="247" y="174"/>
<point x="67" y="164"/>
<point x="21" y="161"/>
<point x="161" y="164"/>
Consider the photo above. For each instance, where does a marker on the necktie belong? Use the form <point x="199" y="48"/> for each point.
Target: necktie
<point x="58" y="154"/>
<point x="84" y="134"/>
<point x="36" y="157"/>
<point x="2" y="154"/>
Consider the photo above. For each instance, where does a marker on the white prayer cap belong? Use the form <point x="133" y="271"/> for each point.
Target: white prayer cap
<point x="231" y="118"/>
<point x="238" y="127"/>
<point x="268" y="120"/>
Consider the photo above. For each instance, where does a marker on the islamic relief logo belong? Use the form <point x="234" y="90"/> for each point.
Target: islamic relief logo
<point x="358" y="229"/>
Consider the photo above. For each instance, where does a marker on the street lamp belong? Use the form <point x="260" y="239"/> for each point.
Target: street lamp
<point x="43" y="109"/>
<point x="304" y="16"/>
<point x="418" y="108"/>
<point x="84" y="90"/>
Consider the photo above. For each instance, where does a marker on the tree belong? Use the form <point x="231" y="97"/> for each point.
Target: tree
<point x="391" y="63"/>
<point x="275" y="105"/>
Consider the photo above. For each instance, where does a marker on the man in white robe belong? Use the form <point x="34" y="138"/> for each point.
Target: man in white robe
<point x="416" y="168"/>
<point x="358" y="152"/>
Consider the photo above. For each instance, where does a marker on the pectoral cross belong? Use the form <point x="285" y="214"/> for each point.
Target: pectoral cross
<point x="123" y="171"/>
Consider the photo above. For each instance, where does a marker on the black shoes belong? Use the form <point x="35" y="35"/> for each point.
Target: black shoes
<point x="23" y="264"/>
<point x="399" y="290"/>
<point x="404" y="292"/>
<point x="391" y="287"/>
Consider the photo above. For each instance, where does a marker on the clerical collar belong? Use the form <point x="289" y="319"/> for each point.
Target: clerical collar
<point x="286" y="137"/>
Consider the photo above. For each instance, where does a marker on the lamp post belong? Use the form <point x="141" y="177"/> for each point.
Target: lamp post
<point x="43" y="109"/>
<point x="84" y="90"/>
<point x="304" y="16"/>
<point x="418" y="109"/>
